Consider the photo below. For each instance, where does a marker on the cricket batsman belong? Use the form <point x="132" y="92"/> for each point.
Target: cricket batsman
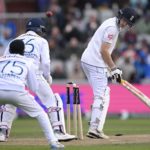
<point x="96" y="60"/>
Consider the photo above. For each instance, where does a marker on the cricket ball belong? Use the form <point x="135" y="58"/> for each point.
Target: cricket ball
<point x="49" y="13"/>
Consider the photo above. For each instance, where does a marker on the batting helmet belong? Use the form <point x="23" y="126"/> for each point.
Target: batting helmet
<point x="36" y="25"/>
<point x="129" y="15"/>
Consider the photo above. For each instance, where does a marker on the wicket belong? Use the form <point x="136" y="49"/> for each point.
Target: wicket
<point x="77" y="117"/>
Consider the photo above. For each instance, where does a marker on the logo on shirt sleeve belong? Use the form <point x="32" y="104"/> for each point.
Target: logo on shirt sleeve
<point x="110" y="36"/>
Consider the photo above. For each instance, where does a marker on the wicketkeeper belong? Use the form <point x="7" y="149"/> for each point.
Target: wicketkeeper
<point x="37" y="49"/>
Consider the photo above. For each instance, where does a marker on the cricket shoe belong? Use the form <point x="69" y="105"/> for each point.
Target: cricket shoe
<point x="94" y="133"/>
<point x="64" y="136"/>
<point x="56" y="146"/>
<point x="3" y="137"/>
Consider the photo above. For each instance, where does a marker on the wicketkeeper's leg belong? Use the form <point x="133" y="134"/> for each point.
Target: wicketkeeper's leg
<point x="54" y="107"/>
<point x="59" y="125"/>
<point x="47" y="98"/>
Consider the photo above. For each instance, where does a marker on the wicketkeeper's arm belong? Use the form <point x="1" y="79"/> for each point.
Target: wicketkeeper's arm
<point x="32" y="79"/>
<point x="45" y="62"/>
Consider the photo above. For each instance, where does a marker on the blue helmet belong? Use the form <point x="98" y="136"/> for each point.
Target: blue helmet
<point x="36" y="25"/>
<point x="129" y="15"/>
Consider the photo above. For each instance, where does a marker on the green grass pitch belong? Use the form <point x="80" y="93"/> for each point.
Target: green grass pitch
<point x="29" y="128"/>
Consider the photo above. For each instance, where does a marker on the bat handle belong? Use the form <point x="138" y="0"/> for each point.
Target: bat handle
<point x="122" y="81"/>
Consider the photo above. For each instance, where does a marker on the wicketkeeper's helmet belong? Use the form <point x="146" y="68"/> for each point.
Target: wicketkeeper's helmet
<point x="129" y="15"/>
<point x="36" y="25"/>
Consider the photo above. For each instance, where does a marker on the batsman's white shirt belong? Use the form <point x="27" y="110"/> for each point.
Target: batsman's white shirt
<point x="15" y="72"/>
<point x="36" y="48"/>
<point x="107" y="32"/>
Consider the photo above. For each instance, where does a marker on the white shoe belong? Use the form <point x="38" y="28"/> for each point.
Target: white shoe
<point x="94" y="133"/>
<point x="64" y="136"/>
<point x="3" y="137"/>
<point x="56" y="145"/>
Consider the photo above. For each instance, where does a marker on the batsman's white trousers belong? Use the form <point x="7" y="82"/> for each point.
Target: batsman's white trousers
<point x="97" y="78"/>
<point x="26" y="102"/>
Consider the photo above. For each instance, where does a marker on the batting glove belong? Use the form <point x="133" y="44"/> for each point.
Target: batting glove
<point x="116" y="74"/>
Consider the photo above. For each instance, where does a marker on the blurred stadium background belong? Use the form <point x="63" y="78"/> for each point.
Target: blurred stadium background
<point x="69" y="31"/>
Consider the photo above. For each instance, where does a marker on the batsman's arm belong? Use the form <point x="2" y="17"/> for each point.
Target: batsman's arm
<point x="108" y="38"/>
<point x="106" y="55"/>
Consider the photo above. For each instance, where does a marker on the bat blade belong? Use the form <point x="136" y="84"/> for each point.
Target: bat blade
<point x="136" y="92"/>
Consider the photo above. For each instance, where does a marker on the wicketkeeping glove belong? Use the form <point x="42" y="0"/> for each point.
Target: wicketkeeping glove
<point x="49" y="80"/>
<point x="116" y="74"/>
